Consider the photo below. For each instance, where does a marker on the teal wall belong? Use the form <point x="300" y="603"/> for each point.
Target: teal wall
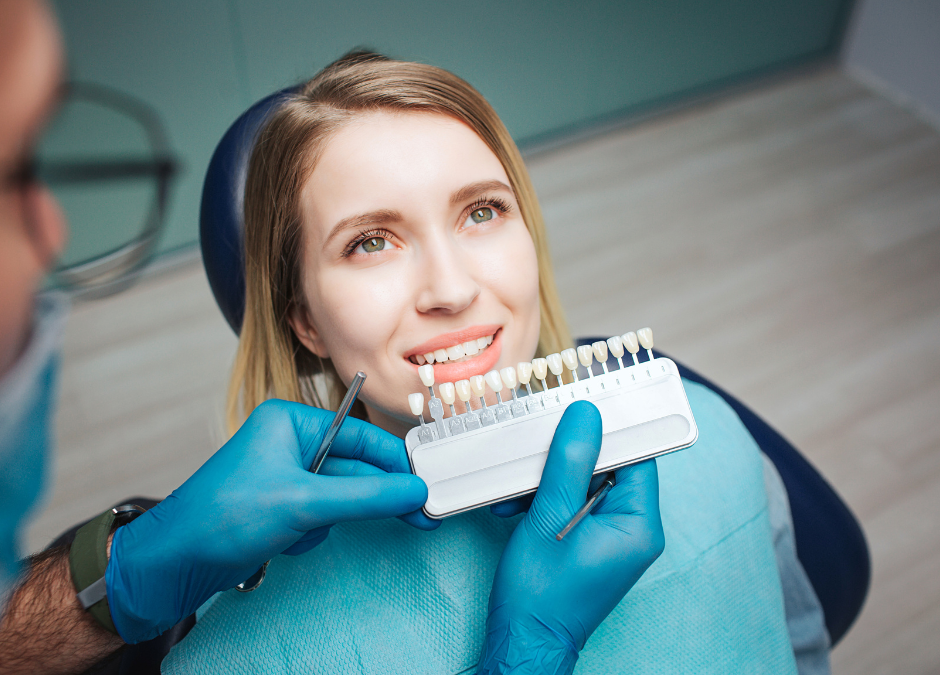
<point x="547" y="66"/>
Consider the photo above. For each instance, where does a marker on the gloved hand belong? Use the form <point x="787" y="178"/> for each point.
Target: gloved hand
<point x="252" y="500"/>
<point x="548" y="596"/>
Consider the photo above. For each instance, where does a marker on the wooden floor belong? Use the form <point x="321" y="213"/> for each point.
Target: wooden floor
<point x="784" y="242"/>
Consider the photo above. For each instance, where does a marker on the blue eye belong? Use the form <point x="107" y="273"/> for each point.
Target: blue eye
<point x="372" y="245"/>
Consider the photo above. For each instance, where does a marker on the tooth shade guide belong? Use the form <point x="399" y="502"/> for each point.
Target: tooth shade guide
<point x="586" y="357"/>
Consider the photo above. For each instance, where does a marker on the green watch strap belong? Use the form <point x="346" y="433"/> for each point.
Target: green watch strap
<point x="88" y="561"/>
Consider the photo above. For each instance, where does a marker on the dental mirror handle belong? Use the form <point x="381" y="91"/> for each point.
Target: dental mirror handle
<point x="341" y="416"/>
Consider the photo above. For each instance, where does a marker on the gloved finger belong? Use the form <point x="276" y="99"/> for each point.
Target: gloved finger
<point x="324" y="500"/>
<point x="512" y="507"/>
<point x="310" y="540"/>
<point x="418" y="519"/>
<point x="571" y="460"/>
<point x="636" y="491"/>
<point x="340" y="466"/>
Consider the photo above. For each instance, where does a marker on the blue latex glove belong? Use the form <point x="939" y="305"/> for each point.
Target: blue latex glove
<point x="252" y="500"/>
<point x="549" y="596"/>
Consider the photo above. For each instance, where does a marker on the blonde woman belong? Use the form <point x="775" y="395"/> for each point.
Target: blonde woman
<point x="388" y="215"/>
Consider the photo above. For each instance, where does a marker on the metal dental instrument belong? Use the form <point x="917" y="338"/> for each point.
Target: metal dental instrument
<point x="341" y="416"/>
<point x="586" y="509"/>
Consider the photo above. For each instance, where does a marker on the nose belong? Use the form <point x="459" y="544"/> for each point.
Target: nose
<point x="46" y="222"/>
<point x="448" y="284"/>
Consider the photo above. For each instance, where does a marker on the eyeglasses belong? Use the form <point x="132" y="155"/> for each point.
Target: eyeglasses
<point x="107" y="160"/>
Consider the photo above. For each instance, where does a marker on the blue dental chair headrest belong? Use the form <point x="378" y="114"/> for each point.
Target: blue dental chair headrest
<point x="221" y="214"/>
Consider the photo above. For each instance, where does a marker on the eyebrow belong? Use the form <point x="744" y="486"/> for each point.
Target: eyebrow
<point x="386" y="216"/>
<point x="476" y="189"/>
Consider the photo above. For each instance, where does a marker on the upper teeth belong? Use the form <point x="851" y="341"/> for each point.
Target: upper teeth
<point x="457" y="352"/>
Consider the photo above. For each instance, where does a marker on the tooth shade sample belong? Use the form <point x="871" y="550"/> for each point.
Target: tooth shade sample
<point x="646" y="337"/>
<point x="540" y="368"/>
<point x="489" y="339"/>
<point x="420" y="359"/>
<point x="482" y="343"/>
<point x="429" y="357"/>
<point x="440" y="355"/>
<point x="494" y="380"/>
<point x="478" y="385"/>
<point x="508" y="376"/>
<point x="463" y="390"/>
<point x="630" y="342"/>
<point x="455" y="352"/>
<point x="586" y="355"/>
<point x="555" y="364"/>
<point x="600" y="351"/>
<point x="570" y="358"/>
<point x="416" y="403"/>
<point x="426" y="373"/>
<point x="447" y="392"/>
<point x="471" y="348"/>
<point x="616" y="346"/>
<point x="524" y="372"/>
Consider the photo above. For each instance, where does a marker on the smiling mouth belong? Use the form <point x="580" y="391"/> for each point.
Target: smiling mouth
<point x="457" y="353"/>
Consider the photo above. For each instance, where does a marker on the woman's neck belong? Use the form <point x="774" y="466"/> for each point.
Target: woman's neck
<point x="392" y="425"/>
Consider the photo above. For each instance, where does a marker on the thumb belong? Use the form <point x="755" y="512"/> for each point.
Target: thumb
<point x="333" y="499"/>
<point x="571" y="461"/>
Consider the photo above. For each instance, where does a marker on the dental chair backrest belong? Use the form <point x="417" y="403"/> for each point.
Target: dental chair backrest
<point x="830" y="543"/>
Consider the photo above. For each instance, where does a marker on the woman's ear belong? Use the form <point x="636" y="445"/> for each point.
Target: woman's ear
<point x="302" y="325"/>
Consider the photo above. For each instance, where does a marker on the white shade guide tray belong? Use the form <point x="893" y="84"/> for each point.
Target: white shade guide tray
<point x="416" y="403"/>
<point x="426" y="373"/>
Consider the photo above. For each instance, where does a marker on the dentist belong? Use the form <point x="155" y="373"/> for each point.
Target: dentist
<point x="65" y="609"/>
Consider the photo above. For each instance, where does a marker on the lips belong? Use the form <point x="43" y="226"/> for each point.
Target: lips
<point x="460" y="365"/>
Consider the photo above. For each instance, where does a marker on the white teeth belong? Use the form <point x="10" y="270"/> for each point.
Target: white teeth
<point x="447" y="392"/>
<point x="570" y="358"/>
<point x="426" y="373"/>
<point x="440" y="355"/>
<point x="470" y="348"/>
<point x="555" y="364"/>
<point x="494" y="380"/>
<point x="478" y="385"/>
<point x="600" y="351"/>
<point x="540" y="368"/>
<point x="416" y="402"/>
<point x="455" y="352"/>
<point x="508" y="376"/>
<point x="585" y="355"/>
<point x="420" y="359"/>
<point x="646" y="337"/>
<point x="489" y="339"/>
<point x="524" y="372"/>
<point x="482" y="343"/>
<point x="630" y="342"/>
<point x="463" y="390"/>
<point x="429" y="357"/>
<point x="616" y="346"/>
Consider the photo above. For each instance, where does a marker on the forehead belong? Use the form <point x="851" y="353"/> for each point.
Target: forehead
<point x="382" y="159"/>
<point x="30" y="70"/>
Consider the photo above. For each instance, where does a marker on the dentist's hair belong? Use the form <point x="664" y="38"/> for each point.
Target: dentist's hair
<point x="271" y="362"/>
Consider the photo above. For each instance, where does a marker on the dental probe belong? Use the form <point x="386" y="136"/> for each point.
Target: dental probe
<point x="586" y="509"/>
<point x="341" y="416"/>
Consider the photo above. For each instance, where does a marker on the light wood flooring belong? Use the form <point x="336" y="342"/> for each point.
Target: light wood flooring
<point x="783" y="241"/>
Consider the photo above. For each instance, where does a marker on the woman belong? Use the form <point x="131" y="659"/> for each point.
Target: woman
<point x="389" y="215"/>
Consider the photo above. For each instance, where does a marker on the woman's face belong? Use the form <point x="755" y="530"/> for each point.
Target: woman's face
<point x="413" y="243"/>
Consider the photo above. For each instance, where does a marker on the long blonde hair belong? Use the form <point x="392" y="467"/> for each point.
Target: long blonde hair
<point x="271" y="362"/>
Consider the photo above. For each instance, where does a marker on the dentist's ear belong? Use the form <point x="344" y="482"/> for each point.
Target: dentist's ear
<point x="302" y="324"/>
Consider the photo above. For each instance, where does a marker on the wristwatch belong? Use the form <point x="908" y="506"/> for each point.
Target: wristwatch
<point x="88" y="560"/>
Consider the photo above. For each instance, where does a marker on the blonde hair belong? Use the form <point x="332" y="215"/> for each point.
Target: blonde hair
<point x="271" y="362"/>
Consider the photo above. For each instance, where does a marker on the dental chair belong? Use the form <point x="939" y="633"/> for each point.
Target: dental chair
<point x="830" y="543"/>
